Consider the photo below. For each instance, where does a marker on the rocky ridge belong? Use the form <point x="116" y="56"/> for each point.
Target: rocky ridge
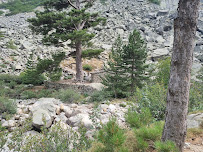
<point x="153" y="21"/>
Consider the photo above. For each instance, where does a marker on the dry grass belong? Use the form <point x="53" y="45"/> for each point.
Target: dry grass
<point x="194" y="132"/>
<point x="94" y="62"/>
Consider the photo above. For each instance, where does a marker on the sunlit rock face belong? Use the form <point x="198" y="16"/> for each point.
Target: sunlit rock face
<point x="169" y="4"/>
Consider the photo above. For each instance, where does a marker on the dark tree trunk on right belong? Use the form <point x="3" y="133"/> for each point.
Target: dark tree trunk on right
<point x="185" y="25"/>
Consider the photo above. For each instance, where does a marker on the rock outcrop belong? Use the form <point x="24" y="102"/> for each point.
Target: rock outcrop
<point x="153" y="21"/>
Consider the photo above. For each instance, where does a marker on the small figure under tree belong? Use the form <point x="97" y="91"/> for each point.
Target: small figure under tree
<point x="59" y="25"/>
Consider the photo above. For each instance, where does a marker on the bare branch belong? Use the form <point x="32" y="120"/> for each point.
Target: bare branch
<point x="72" y="4"/>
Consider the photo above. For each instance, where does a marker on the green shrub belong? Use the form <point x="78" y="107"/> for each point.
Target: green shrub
<point x="138" y="119"/>
<point x="12" y="84"/>
<point x="45" y="93"/>
<point x="32" y="77"/>
<point x="28" y="94"/>
<point x="196" y="97"/>
<point x="51" y="67"/>
<point x="150" y="133"/>
<point x="1" y="12"/>
<point x="99" y="96"/>
<point x="7" y="78"/>
<point x="68" y="95"/>
<point x="90" y="53"/>
<point x="153" y="97"/>
<point x="87" y="67"/>
<point x="167" y="146"/>
<point x="10" y="45"/>
<point x="7" y="106"/>
<point x="112" y="137"/>
<point x="155" y="1"/>
<point x="163" y="71"/>
<point x="55" y="76"/>
<point x="56" y="139"/>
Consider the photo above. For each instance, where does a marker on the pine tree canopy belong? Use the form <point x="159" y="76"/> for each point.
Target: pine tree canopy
<point x="59" y="25"/>
<point x="134" y="58"/>
<point x="125" y="69"/>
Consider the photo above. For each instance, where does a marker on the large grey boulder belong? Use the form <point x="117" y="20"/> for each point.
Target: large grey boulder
<point x="43" y="111"/>
<point x="41" y="118"/>
<point x="194" y="120"/>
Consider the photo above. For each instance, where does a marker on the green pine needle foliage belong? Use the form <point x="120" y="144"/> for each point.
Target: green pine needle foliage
<point x="65" y="25"/>
<point x="167" y="146"/>
<point x="126" y="66"/>
<point x="138" y="119"/>
<point x="112" y="137"/>
<point x="90" y="53"/>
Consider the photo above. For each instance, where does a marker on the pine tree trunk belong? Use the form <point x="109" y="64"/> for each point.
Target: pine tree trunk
<point x="179" y="85"/>
<point x="79" y="71"/>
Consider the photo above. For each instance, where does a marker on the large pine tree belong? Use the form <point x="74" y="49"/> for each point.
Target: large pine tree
<point x="58" y="25"/>
<point x="134" y="58"/>
<point x="115" y="76"/>
<point x="126" y="66"/>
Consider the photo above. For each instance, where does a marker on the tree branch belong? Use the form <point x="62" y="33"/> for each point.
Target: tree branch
<point x="72" y="4"/>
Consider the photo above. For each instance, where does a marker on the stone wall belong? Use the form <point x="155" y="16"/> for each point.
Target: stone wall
<point x="96" y="76"/>
<point x="82" y="88"/>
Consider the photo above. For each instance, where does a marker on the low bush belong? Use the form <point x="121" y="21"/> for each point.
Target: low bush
<point x="28" y="94"/>
<point x="99" y="96"/>
<point x="67" y="95"/>
<point x="167" y="146"/>
<point x="153" y="97"/>
<point x="112" y="137"/>
<point x="56" y="139"/>
<point x="138" y="119"/>
<point x="32" y="77"/>
<point x="163" y="71"/>
<point x="87" y="67"/>
<point x="55" y="76"/>
<point x="7" y="106"/>
<point x="45" y="93"/>
<point x="1" y="12"/>
<point x="150" y="133"/>
<point x="7" y="78"/>
<point x="196" y="97"/>
<point x="10" y="45"/>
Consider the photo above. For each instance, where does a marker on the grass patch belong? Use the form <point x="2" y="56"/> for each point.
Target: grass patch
<point x="67" y="96"/>
<point x="7" y="106"/>
<point x="194" y="132"/>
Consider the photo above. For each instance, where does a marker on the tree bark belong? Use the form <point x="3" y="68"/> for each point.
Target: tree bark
<point x="185" y="25"/>
<point x="79" y="71"/>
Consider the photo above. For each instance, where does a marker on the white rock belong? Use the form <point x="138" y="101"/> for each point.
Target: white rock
<point x="40" y="118"/>
<point x="112" y="108"/>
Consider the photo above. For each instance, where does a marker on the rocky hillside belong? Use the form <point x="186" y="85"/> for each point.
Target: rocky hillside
<point x="153" y="21"/>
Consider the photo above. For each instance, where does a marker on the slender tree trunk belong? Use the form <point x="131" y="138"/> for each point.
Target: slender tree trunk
<point x="179" y="85"/>
<point x="79" y="71"/>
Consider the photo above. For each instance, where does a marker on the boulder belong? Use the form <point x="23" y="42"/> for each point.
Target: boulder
<point x="43" y="111"/>
<point x="195" y="120"/>
<point x="41" y="118"/>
